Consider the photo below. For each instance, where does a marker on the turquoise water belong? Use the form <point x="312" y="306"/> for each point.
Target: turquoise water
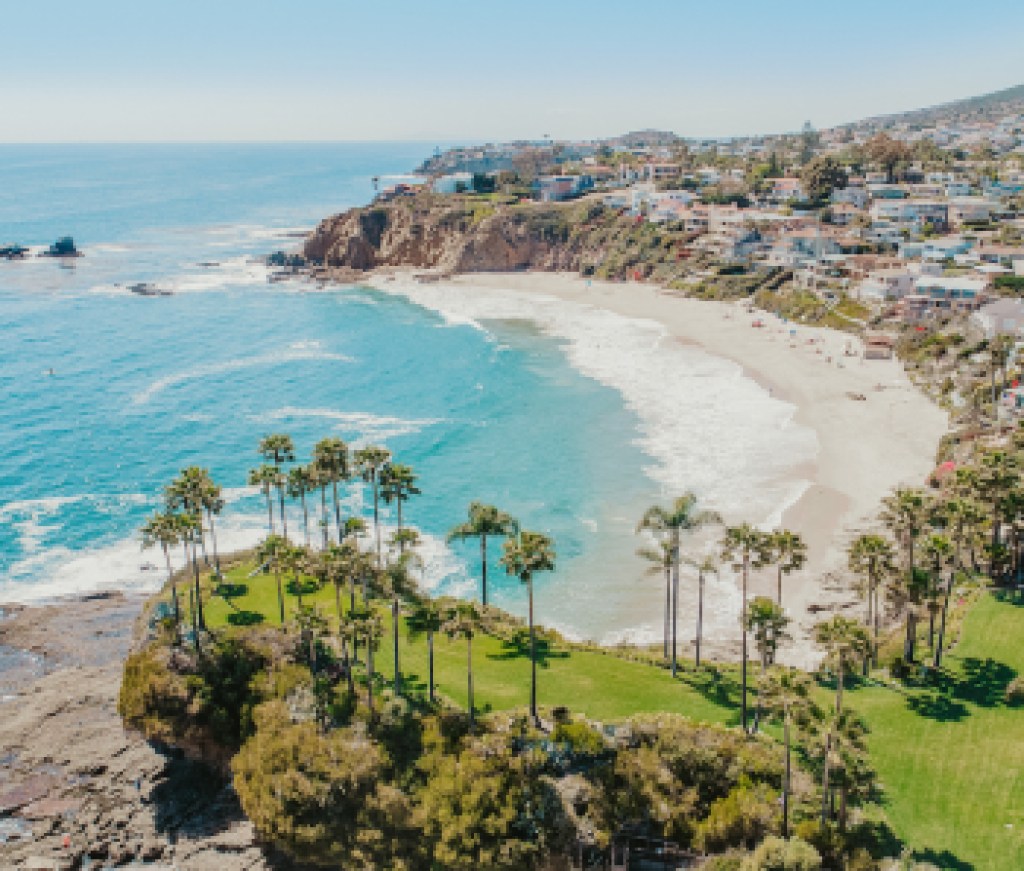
<point x="141" y="387"/>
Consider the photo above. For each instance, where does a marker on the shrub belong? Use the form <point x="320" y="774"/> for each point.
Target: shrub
<point x="580" y="737"/>
<point x="898" y="668"/>
<point x="776" y="854"/>
<point x="742" y="818"/>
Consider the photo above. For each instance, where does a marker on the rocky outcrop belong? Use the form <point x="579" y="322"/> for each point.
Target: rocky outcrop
<point x="453" y="236"/>
<point x="76" y="787"/>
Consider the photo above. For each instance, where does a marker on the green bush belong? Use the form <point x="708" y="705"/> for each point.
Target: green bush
<point x="776" y="854"/>
<point x="580" y="737"/>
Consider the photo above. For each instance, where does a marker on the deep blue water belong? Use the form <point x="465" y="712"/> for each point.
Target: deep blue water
<point x="144" y="386"/>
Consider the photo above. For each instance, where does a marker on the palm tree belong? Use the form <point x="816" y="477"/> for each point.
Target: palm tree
<point x="747" y="544"/>
<point x="846" y="641"/>
<point x="348" y="625"/>
<point x="272" y="553"/>
<point x="278" y="448"/>
<point x="681" y="516"/>
<point x="460" y="621"/>
<point x="302" y="479"/>
<point x="191" y="526"/>
<point x="524" y="555"/>
<point x="872" y="556"/>
<point x="998" y="474"/>
<point x="426" y="619"/>
<point x="785" y="550"/>
<point x="905" y="513"/>
<point x="704" y="567"/>
<point x="193" y="491"/>
<point x="331" y="457"/>
<point x="938" y="555"/>
<point x="661" y="559"/>
<point x="165" y="529"/>
<point x="787" y="694"/>
<point x="369" y="461"/>
<point x="768" y="623"/>
<point x="484" y="521"/>
<point x="397" y="483"/>
<point x="369" y="625"/>
<point x="265" y="477"/>
<point x="295" y="560"/>
<point x="394" y="582"/>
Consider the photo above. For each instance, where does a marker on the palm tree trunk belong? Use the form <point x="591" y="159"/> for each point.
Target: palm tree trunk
<point x="908" y="643"/>
<point x="483" y="568"/>
<point x="351" y="593"/>
<point x="533" y="656"/>
<point x="743" y="664"/>
<point x="469" y="660"/>
<point x="668" y="607"/>
<point x="430" y="665"/>
<point x="337" y="511"/>
<point x="174" y="588"/>
<point x="786" y="784"/>
<point x="199" y="594"/>
<point x="675" y="596"/>
<point x="213" y="541"/>
<point x="337" y="600"/>
<point x="348" y="666"/>
<point x="280" y="595"/>
<point x="700" y="612"/>
<point x="376" y="513"/>
<point x="824" y="781"/>
<point x="779" y="593"/>
<point x="942" y="624"/>
<point x="298" y="588"/>
<point x="270" y="510"/>
<point x="305" y="517"/>
<point x="398" y="501"/>
<point x="839" y="686"/>
<point x="284" y="519"/>
<point x="394" y="634"/>
<point x="369" y="674"/>
<point x="324" y="520"/>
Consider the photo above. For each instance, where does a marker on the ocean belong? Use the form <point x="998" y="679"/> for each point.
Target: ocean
<point x="574" y="423"/>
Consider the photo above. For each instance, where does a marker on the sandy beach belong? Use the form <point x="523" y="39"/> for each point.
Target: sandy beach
<point x="864" y="447"/>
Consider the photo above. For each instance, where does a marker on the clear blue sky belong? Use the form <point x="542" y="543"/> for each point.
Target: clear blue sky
<point x="109" y="70"/>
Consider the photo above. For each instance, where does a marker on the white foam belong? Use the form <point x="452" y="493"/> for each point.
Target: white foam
<point x="367" y="427"/>
<point x="708" y="427"/>
<point x="298" y="351"/>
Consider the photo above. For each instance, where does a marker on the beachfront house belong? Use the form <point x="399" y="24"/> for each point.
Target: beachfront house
<point x="1002" y="317"/>
<point x="555" y="188"/>
<point x="943" y="296"/>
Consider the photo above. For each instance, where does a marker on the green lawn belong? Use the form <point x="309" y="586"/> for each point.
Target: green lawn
<point x="604" y="686"/>
<point x="951" y="756"/>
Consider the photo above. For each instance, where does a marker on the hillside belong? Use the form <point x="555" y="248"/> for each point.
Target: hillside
<point x="982" y="107"/>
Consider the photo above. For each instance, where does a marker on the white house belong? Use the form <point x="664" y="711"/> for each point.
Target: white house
<point x="1004" y="317"/>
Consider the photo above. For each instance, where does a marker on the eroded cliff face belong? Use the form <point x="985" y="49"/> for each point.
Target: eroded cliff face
<point x="450" y="237"/>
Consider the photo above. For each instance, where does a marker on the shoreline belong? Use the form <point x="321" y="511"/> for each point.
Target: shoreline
<point x="864" y="448"/>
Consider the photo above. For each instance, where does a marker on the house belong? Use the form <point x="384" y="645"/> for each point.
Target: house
<point x="942" y="296"/>
<point x="1003" y="317"/>
<point x="886" y="192"/>
<point x="958" y="188"/>
<point x="856" y="196"/>
<point x="554" y="188"/>
<point x="661" y="171"/>
<point x="886" y="284"/>
<point x="785" y="189"/>
<point x="878" y="346"/>
<point x="453" y="183"/>
<point x="970" y="210"/>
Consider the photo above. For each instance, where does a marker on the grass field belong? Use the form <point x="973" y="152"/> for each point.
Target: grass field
<point x="950" y="755"/>
<point x="949" y="752"/>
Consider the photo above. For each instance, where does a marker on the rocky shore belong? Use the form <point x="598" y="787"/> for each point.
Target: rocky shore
<point x="76" y="789"/>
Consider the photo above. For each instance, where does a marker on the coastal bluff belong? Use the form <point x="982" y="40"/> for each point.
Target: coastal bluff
<point x="453" y="235"/>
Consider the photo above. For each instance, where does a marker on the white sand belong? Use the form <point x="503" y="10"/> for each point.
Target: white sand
<point x="865" y="448"/>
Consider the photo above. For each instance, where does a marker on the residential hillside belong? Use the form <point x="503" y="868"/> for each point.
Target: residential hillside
<point x="983" y="107"/>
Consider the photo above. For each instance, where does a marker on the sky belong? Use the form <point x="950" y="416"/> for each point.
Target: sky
<point x="485" y="70"/>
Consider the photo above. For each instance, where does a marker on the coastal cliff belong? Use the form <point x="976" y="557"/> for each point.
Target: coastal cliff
<point x="459" y="235"/>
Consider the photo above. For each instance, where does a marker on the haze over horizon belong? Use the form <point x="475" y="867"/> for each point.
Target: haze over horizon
<point x="112" y="70"/>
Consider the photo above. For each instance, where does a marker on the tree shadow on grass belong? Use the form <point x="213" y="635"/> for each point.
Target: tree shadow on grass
<point x="304" y="587"/>
<point x="720" y="688"/>
<point x="518" y="647"/>
<point x="943" y="859"/>
<point x="984" y="682"/>
<point x="1010" y="596"/>
<point x="231" y="591"/>
<point x="245" y="618"/>
<point x="936" y="706"/>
